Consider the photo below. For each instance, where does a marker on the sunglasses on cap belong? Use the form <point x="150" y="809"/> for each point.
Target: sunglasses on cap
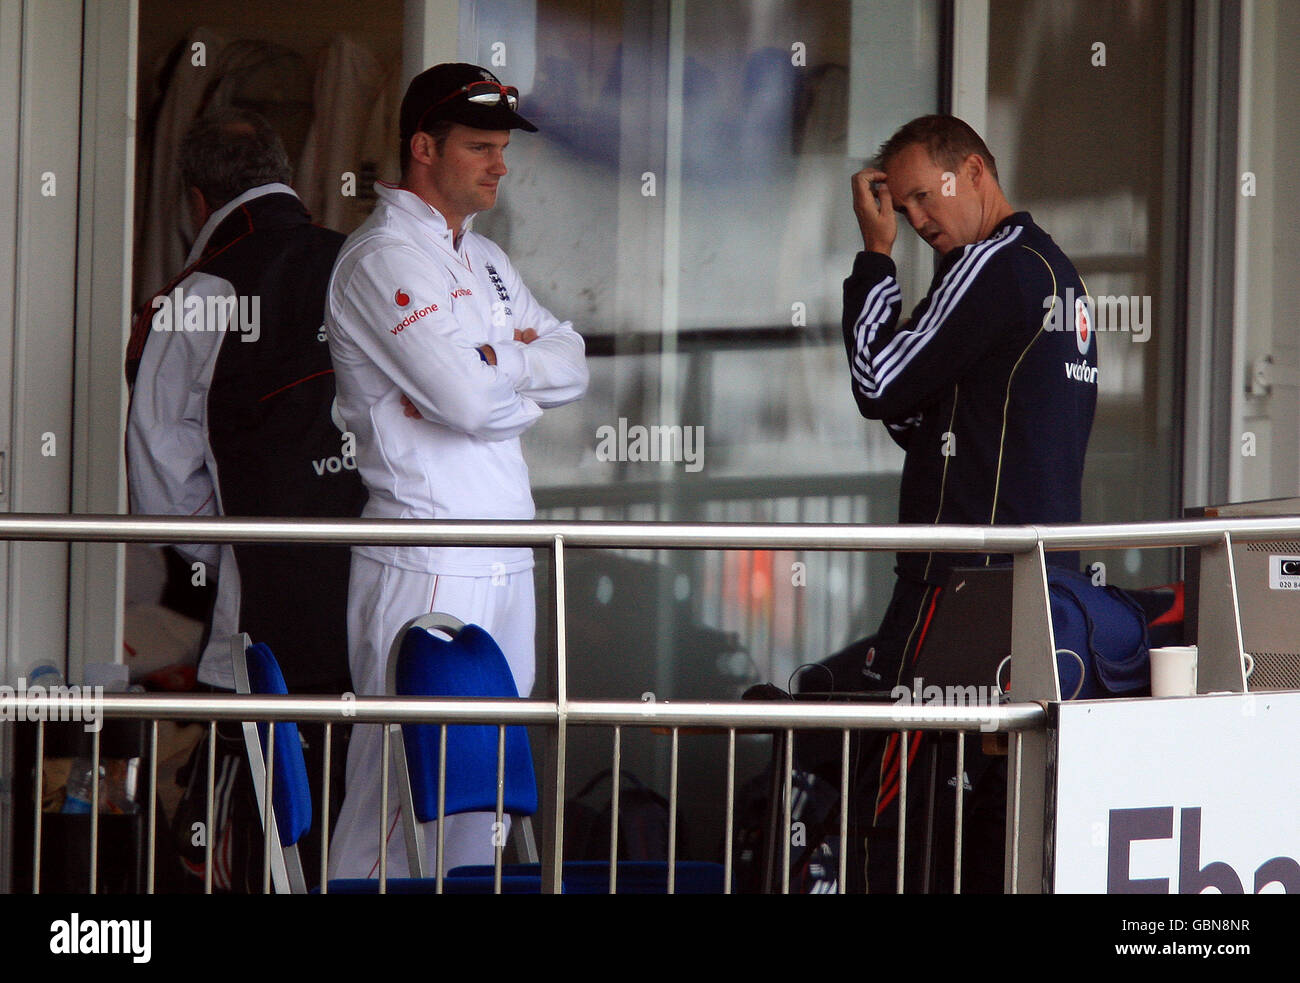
<point x="480" y="93"/>
<point x="484" y="93"/>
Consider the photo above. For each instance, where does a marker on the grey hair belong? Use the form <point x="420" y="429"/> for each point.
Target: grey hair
<point x="228" y="151"/>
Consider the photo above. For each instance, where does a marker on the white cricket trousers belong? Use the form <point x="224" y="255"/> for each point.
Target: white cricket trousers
<point x="381" y="599"/>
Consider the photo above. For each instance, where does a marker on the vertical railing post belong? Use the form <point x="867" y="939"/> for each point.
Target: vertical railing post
<point x="553" y="833"/>
<point x="1033" y="678"/>
<point x="94" y="812"/>
<point x="151" y="846"/>
<point x="1219" y="666"/>
<point x="38" y="796"/>
<point x="209" y="817"/>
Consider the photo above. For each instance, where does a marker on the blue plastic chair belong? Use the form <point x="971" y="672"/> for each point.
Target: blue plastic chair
<point x="470" y="664"/>
<point x="257" y="671"/>
<point x="467" y="663"/>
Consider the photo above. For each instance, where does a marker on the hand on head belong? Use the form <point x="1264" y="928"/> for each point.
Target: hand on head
<point x="874" y="209"/>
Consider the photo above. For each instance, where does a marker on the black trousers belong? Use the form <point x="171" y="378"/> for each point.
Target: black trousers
<point x="878" y="664"/>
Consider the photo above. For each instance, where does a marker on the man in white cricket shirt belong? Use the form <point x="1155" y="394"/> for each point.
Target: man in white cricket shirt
<point x="443" y="358"/>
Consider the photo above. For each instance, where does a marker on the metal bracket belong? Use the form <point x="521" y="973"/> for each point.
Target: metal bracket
<point x="1219" y="666"/>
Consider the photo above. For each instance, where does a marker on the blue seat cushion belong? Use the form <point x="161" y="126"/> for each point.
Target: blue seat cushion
<point x="470" y="665"/>
<point x="291" y="793"/>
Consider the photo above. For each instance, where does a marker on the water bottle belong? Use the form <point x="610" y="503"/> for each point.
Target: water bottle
<point x="79" y="791"/>
<point x="44" y="675"/>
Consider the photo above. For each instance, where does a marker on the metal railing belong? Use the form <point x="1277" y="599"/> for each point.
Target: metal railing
<point x="729" y="719"/>
<point x="1032" y="653"/>
<point x="784" y="626"/>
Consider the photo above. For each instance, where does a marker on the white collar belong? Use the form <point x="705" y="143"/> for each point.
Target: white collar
<point x="412" y="204"/>
<point x="222" y="213"/>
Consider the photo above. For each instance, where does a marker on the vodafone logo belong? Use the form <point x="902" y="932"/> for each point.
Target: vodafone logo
<point x="1081" y="372"/>
<point x="1082" y="324"/>
<point x="411" y="318"/>
<point x="870" y="661"/>
<point x="401" y="299"/>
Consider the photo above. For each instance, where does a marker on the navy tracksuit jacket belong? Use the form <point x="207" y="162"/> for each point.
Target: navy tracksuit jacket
<point x="990" y="385"/>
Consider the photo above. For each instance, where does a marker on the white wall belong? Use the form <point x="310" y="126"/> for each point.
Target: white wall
<point x="40" y="235"/>
<point x="64" y="247"/>
<point x="1266" y="392"/>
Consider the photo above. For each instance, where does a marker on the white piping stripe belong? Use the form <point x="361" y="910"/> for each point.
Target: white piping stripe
<point x="865" y="382"/>
<point x="949" y="295"/>
<point x="902" y="343"/>
<point x="955" y="283"/>
<point x="977" y="254"/>
<point x="862" y="358"/>
<point x="881" y="315"/>
<point x="881" y="295"/>
<point x="860" y="367"/>
<point x="867" y="301"/>
<point x="904" y="347"/>
<point x="885" y="292"/>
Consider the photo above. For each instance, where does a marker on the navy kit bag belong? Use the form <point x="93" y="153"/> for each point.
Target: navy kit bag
<point x="1101" y="638"/>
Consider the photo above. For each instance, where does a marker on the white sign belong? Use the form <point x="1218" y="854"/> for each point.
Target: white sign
<point x="1284" y="572"/>
<point x="1178" y="796"/>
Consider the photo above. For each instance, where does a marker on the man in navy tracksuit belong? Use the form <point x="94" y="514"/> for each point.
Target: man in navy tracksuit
<point x="989" y="387"/>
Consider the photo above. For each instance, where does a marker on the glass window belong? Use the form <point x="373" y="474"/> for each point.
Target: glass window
<point x="687" y="205"/>
<point x="1265" y="451"/>
<point x="1105" y="184"/>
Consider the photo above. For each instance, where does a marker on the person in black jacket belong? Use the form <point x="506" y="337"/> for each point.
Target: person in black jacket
<point x="231" y="414"/>
<point x="989" y="386"/>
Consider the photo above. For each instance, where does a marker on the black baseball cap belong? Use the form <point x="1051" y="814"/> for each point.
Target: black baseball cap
<point x="437" y="94"/>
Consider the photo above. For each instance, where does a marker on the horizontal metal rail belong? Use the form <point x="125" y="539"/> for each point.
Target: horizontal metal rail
<point x="639" y="535"/>
<point x="375" y="709"/>
<point x="1027" y="721"/>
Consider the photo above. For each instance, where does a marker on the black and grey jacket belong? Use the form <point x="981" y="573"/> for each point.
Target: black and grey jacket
<point x="231" y="415"/>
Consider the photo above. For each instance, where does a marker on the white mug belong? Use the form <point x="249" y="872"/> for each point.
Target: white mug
<point x="1173" y="670"/>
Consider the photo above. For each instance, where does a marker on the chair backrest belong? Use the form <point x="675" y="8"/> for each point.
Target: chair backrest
<point x="256" y="671"/>
<point x="470" y="664"/>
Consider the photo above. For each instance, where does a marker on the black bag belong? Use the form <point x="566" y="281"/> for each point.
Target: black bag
<point x="237" y="827"/>
<point x="814" y="835"/>
<point x="642" y="822"/>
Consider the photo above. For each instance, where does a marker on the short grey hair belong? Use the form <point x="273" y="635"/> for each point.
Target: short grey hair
<point x="228" y="151"/>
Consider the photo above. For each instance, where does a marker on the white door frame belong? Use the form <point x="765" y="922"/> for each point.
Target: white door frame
<point x="103" y="264"/>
